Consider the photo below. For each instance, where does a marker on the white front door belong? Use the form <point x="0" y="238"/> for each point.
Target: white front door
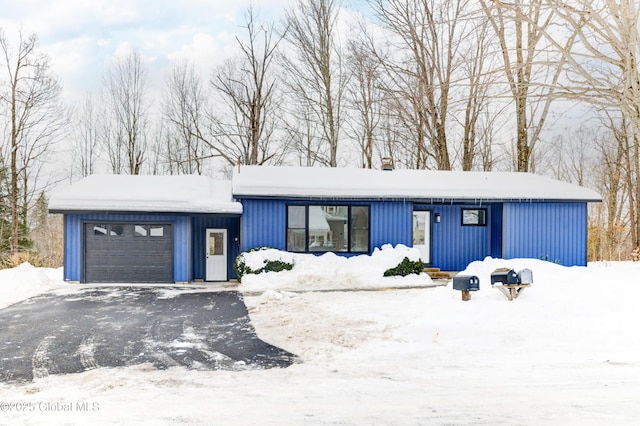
<point x="422" y="234"/>
<point x="216" y="247"/>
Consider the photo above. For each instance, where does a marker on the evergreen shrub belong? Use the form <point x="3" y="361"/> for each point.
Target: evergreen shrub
<point x="271" y="265"/>
<point x="405" y="268"/>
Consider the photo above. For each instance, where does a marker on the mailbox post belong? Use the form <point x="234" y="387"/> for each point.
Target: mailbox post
<point x="510" y="283"/>
<point x="466" y="284"/>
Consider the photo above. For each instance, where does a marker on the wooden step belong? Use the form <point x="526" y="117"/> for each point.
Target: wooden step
<point x="437" y="274"/>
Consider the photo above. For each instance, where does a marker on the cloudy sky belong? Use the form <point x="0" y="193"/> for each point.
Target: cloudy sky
<point x="83" y="36"/>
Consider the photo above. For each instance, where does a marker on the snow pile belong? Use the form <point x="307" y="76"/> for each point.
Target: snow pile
<point x="25" y="281"/>
<point x="553" y="283"/>
<point x="565" y="352"/>
<point x="543" y="271"/>
<point x="258" y="259"/>
<point x="332" y="272"/>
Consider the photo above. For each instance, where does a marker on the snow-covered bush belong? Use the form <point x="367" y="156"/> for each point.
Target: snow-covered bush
<point x="330" y="271"/>
<point x="262" y="259"/>
<point x="405" y="267"/>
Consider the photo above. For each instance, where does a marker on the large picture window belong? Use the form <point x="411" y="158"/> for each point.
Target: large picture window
<point x="324" y="228"/>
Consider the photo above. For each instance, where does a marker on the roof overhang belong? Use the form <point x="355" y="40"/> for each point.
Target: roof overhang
<point x="420" y="200"/>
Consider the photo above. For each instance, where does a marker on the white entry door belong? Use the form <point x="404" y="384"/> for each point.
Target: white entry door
<point x="422" y="234"/>
<point x="216" y="247"/>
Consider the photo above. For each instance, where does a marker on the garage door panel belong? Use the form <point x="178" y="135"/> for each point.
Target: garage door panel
<point x="128" y="252"/>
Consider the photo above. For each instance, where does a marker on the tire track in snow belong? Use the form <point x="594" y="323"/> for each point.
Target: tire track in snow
<point x="86" y="351"/>
<point x="40" y="361"/>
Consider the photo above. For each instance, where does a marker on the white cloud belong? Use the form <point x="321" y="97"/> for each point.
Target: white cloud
<point x="75" y="62"/>
<point x="83" y="36"/>
<point x="206" y="51"/>
<point x="124" y="49"/>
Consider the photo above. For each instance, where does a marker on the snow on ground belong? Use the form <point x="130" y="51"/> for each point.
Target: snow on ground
<point x="25" y="281"/>
<point x="566" y="351"/>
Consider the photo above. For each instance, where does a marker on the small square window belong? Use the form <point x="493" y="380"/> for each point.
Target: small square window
<point x="100" y="230"/>
<point x="140" y="230"/>
<point x="474" y="217"/>
<point x="116" y="230"/>
<point x="156" y="231"/>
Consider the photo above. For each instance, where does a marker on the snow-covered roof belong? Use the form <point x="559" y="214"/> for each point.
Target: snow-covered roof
<point x="427" y="185"/>
<point x="145" y="193"/>
<point x="200" y="194"/>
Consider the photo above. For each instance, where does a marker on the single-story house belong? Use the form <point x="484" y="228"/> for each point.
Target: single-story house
<point x="122" y="228"/>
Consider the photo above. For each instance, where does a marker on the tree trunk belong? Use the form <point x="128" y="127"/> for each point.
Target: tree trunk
<point x="15" y="229"/>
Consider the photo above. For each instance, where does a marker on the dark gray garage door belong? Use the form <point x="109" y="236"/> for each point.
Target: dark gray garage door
<point x="128" y="253"/>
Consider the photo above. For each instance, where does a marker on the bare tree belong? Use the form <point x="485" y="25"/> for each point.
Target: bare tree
<point x="86" y="141"/>
<point x="393" y="137"/>
<point x="603" y="70"/>
<point x="475" y="65"/>
<point x="30" y="100"/>
<point x="304" y="131"/>
<point x="426" y="36"/>
<point x="569" y="157"/>
<point x="125" y="126"/>
<point x="609" y="175"/>
<point x="183" y="111"/>
<point x="245" y="121"/>
<point x="316" y="76"/>
<point x="532" y="66"/>
<point x="365" y="98"/>
<point x="630" y="155"/>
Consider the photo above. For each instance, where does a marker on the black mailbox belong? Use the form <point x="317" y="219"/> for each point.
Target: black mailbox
<point x="466" y="283"/>
<point x="504" y="276"/>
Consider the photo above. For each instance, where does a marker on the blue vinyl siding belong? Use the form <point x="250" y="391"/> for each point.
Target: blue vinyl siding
<point x="496" y="230"/>
<point x="73" y="244"/>
<point x="264" y="222"/>
<point x="181" y="249"/>
<point x="455" y="246"/>
<point x="391" y="223"/>
<point x="72" y="248"/>
<point x="552" y="231"/>
<point x="199" y="225"/>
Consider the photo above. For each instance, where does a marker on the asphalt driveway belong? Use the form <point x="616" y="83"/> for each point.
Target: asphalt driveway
<point x="92" y="327"/>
